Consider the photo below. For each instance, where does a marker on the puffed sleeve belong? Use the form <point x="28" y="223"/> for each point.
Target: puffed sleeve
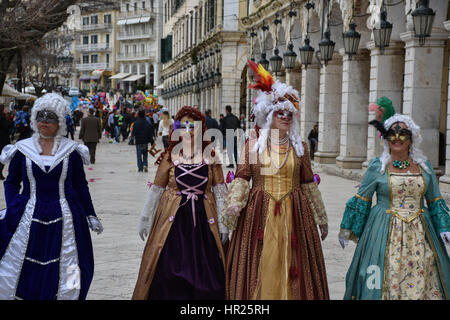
<point x="439" y="211"/>
<point x="80" y="184"/>
<point x="238" y="191"/>
<point x="220" y="191"/>
<point x="358" y="207"/>
<point x="311" y="189"/>
<point x="156" y="191"/>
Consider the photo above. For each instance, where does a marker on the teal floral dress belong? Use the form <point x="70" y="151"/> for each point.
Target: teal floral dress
<point x="399" y="254"/>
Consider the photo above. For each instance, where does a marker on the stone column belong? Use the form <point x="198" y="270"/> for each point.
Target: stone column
<point x="309" y="106"/>
<point x="386" y="79"/>
<point x="330" y="111"/>
<point x="423" y="88"/>
<point x="445" y="179"/>
<point x="355" y="99"/>
<point x="147" y="73"/>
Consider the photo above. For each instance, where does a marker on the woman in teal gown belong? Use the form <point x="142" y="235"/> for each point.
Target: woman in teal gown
<point x="400" y="251"/>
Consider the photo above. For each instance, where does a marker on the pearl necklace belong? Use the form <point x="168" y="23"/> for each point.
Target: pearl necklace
<point x="279" y="142"/>
<point x="285" y="158"/>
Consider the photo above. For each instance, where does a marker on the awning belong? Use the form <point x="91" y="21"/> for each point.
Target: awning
<point x="122" y="22"/>
<point x="96" y="74"/>
<point x="133" y="20"/>
<point x="134" y="77"/>
<point x="120" y="75"/>
<point x="145" y="19"/>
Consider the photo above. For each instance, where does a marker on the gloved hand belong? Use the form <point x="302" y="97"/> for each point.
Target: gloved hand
<point x="445" y="237"/>
<point x="224" y="237"/>
<point x="144" y="227"/>
<point x="95" y="224"/>
<point x="323" y="231"/>
<point x="343" y="242"/>
<point x="2" y="214"/>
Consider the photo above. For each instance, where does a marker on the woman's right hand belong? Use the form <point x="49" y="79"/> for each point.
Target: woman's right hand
<point x="144" y="228"/>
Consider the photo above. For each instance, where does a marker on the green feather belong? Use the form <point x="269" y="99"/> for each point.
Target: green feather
<point x="386" y="104"/>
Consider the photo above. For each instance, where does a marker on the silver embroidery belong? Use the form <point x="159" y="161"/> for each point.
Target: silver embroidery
<point x="46" y="222"/>
<point x="69" y="271"/>
<point x="12" y="261"/>
<point x="40" y="262"/>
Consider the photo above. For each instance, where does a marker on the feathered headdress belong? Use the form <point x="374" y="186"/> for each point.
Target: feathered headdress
<point x="273" y="96"/>
<point x="384" y="110"/>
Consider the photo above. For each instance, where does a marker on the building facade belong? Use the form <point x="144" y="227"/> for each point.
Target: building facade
<point x="138" y="34"/>
<point x="336" y="93"/>
<point x="203" y="50"/>
<point x="95" y="48"/>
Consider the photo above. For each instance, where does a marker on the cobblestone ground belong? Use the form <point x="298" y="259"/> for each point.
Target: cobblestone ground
<point x="118" y="192"/>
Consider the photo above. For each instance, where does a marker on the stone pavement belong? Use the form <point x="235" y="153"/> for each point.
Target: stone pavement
<point x="118" y="192"/>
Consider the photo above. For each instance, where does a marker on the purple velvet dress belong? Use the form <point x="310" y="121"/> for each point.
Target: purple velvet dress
<point x="189" y="266"/>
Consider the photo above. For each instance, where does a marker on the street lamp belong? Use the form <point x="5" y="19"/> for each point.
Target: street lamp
<point x="290" y="56"/>
<point x="326" y="46"/>
<point x="382" y="35"/>
<point x="217" y="76"/>
<point x="423" y="18"/>
<point x="276" y="60"/>
<point x="264" y="62"/>
<point x="249" y="70"/>
<point x="306" y="52"/>
<point x="351" y="40"/>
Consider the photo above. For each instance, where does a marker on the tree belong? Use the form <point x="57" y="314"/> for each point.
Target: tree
<point x="23" y="24"/>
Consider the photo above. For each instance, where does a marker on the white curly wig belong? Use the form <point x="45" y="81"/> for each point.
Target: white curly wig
<point x="416" y="154"/>
<point x="266" y="103"/>
<point x="57" y="104"/>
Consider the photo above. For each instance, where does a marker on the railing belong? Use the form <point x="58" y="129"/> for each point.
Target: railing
<point x="137" y="55"/>
<point x="94" y="46"/>
<point x="133" y="35"/>
<point x="136" y="14"/>
<point x="99" y="26"/>
<point x="93" y="66"/>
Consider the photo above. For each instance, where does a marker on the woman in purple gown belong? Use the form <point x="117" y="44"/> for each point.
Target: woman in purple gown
<point x="45" y="245"/>
<point x="183" y="257"/>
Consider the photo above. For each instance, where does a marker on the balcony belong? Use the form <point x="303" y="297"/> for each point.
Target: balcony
<point x="130" y="56"/>
<point x="94" y="47"/>
<point x="136" y="14"/>
<point x="93" y="66"/>
<point x="96" y="27"/>
<point x="134" y="35"/>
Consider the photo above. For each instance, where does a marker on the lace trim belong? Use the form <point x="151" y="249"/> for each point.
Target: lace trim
<point x="439" y="213"/>
<point x="220" y="192"/>
<point x="355" y="215"/>
<point x="41" y="262"/>
<point x="237" y="197"/>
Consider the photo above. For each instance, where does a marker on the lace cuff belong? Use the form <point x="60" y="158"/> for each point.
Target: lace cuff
<point x="235" y="201"/>
<point x="315" y="201"/>
<point x="8" y="153"/>
<point x="356" y="214"/>
<point x="439" y="213"/>
<point x="153" y="196"/>
<point x="220" y="192"/>
<point x="346" y="234"/>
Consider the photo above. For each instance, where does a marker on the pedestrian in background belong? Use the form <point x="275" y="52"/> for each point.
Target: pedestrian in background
<point x="231" y="122"/>
<point x="143" y="135"/>
<point x="164" y="127"/>
<point x="5" y="127"/>
<point x="313" y="138"/>
<point x="90" y="133"/>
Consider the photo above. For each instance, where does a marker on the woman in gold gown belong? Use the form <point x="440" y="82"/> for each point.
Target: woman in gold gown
<point x="275" y="250"/>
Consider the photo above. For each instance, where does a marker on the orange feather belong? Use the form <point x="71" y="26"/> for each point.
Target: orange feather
<point x="263" y="79"/>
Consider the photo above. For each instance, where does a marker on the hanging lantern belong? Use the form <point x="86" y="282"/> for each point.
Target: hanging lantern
<point x="264" y="62"/>
<point x="423" y="18"/>
<point x="326" y="47"/>
<point x="289" y="57"/>
<point x="351" y="40"/>
<point x="276" y="61"/>
<point x="306" y="53"/>
<point x="217" y="76"/>
<point x="382" y="35"/>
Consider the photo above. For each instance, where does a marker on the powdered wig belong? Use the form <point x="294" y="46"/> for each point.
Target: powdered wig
<point x="57" y="104"/>
<point x="416" y="154"/>
<point x="266" y="103"/>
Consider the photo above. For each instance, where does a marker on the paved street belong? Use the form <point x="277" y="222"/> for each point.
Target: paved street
<point x="118" y="192"/>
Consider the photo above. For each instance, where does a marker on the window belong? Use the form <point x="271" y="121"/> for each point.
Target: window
<point x="143" y="5"/>
<point x="126" y="49"/>
<point x="107" y="58"/>
<point x="151" y="28"/>
<point x="85" y="21"/>
<point x="195" y="31"/>
<point x="190" y="30"/>
<point x="85" y="59"/>
<point x="144" y="28"/>
<point x="200" y="23"/>
<point x="128" y="7"/>
<point x="94" y="39"/>
<point x="142" y="48"/>
<point x="107" y="38"/>
<point x="165" y="12"/>
<point x="135" y="6"/>
<point x="86" y="40"/>
<point x="94" y="20"/>
<point x="151" y="4"/>
<point x="134" y="48"/>
<point x="94" y="58"/>
<point x="107" y="18"/>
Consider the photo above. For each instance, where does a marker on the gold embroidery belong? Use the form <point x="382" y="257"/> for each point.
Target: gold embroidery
<point x="433" y="200"/>
<point x="407" y="220"/>
<point x="363" y="198"/>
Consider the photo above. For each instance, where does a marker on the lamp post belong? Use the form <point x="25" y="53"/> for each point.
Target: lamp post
<point x="382" y="35"/>
<point x="264" y="62"/>
<point x="306" y="52"/>
<point x="276" y="60"/>
<point x="290" y="56"/>
<point x="326" y="45"/>
<point x="423" y="18"/>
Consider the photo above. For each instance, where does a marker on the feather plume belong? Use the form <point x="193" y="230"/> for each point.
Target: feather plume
<point x="379" y="126"/>
<point x="263" y="79"/>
